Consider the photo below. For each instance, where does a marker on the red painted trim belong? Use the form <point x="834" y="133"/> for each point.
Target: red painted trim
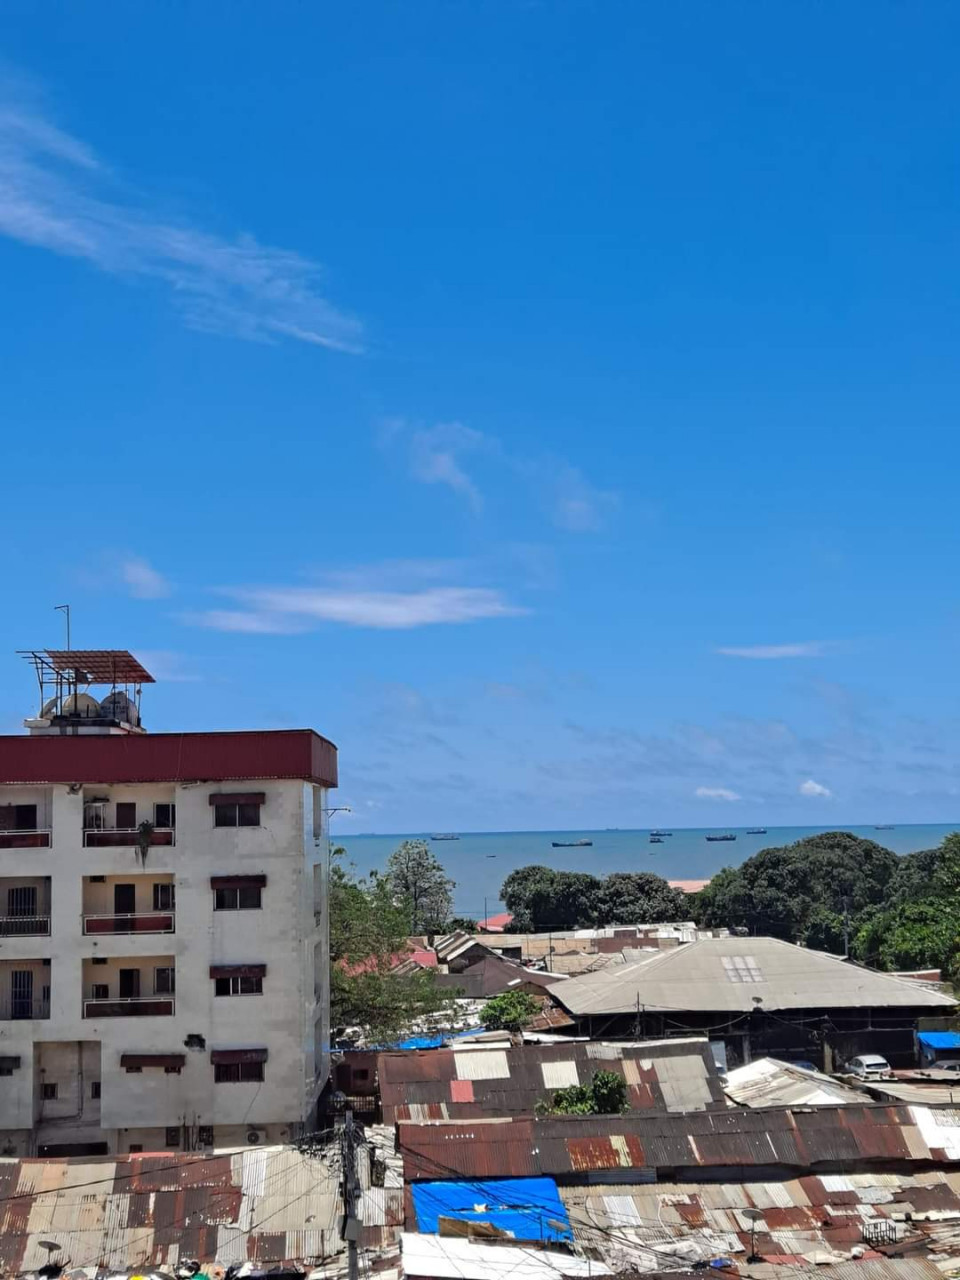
<point x="168" y="757"/>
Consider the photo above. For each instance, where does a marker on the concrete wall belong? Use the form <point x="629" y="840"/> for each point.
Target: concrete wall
<point x="288" y="935"/>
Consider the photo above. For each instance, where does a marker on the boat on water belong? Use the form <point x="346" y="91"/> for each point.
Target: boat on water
<point x="756" y="831"/>
<point x="442" y="836"/>
<point x="656" y="839"/>
<point x="571" y="844"/>
<point x="658" y="835"/>
<point x="884" y="826"/>
<point x="728" y="836"/>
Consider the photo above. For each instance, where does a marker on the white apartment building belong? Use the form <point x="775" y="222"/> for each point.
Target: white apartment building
<point x="164" y="965"/>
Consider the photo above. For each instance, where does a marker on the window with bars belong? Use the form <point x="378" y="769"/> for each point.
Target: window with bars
<point x="742" y="969"/>
<point x="22" y="902"/>
<point x="238" y="1072"/>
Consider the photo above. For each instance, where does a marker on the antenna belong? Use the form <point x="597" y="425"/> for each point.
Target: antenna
<point x="64" y="609"/>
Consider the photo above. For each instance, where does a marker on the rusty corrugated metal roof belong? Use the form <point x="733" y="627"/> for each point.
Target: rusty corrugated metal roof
<point x="670" y="1075"/>
<point x="828" y="1137"/>
<point x="268" y="1205"/>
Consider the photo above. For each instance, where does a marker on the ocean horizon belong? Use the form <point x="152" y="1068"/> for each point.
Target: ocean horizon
<point x="479" y="861"/>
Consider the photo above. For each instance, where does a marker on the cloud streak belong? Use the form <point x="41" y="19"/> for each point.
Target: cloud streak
<point x="772" y="652"/>
<point x="55" y="194"/>
<point x="354" y="599"/>
<point x="450" y="453"/>
<point x="716" y="793"/>
<point x="142" y="580"/>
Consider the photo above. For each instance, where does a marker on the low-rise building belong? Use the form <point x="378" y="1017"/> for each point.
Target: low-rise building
<point x="757" y="997"/>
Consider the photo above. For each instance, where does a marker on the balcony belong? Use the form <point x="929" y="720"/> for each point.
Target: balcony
<point x="139" y="922"/>
<point x="125" y="837"/>
<point x="130" y="1007"/>
<point x="23" y="1008"/>
<point x="25" y="926"/>
<point x="24" y="839"/>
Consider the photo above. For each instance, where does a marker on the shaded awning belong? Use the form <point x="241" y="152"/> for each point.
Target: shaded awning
<point x="221" y="1057"/>
<point x="101" y="666"/>
<point x="238" y="797"/>
<point x="237" y="882"/>
<point x="238" y="971"/>
<point x="152" y="1059"/>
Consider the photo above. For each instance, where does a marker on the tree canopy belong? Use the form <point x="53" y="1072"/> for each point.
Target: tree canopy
<point x="368" y="933"/>
<point x="605" y="1095"/>
<point x="541" y="898"/>
<point x="418" y="879"/>
<point x="801" y="892"/>
<point x="918" y="927"/>
<point x="510" y="1011"/>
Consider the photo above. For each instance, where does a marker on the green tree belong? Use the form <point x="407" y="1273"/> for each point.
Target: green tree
<point x="541" y="898"/>
<point x="418" y="879"/>
<point x="639" y="898"/>
<point x="605" y="1095"/>
<point x="510" y="1011"/>
<point x="368" y="935"/>
<point x="460" y="924"/>
<point x="801" y="892"/>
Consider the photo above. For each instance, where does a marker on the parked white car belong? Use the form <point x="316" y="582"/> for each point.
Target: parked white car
<point x="869" y="1066"/>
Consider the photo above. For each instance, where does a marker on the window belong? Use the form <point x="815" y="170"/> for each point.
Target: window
<point x="245" y="898"/>
<point x="22" y="902"/>
<point x="101" y="991"/>
<point x="172" y="1137"/>
<point x="236" y="815"/>
<point x="6" y="1071"/>
<point x="95" y="1090"/>
<point x="205" y="1135"/>
<point x="239" y="986"/>
<point x="165" y="815"/>
<point x="238" y="1072"/>
<point x="126" y="815"/>
<point x="172" y="1071"/>
<point x="133" y="1071"/>
<point x="164" y="897"/>
<point x="164" y="981"/>
<point x="50" y="1092"/>
<point x="135" y="1148"/>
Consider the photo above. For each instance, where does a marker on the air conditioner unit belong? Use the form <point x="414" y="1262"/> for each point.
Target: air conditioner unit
<point x="256" y="1137"/>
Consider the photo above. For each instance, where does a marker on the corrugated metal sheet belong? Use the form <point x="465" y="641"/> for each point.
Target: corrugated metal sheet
<point x="848" y="1138"/>
<point x="695" y="978"/>
<point x="765" y="1082"/>
<point x="268" y="1205"/>
<point x="674" y="1075"/>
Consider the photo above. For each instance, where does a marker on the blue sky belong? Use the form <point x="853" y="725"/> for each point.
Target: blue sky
<point x="553" y="403"/>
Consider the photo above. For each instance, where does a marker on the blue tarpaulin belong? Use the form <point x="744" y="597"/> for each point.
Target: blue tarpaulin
<point x="939" y="1039"/>
<point x="527" y="1208"/>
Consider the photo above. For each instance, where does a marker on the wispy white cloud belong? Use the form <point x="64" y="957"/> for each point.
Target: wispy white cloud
<point x="387" y="598"/>
<point x="716" y="793"/>
<point x="814" y="789"/>
<point x="55" y="194"/>
<point x="142" y="580"/>
<point x="451" y="453"/>
<point x="436" y="458"/>
<point x="807" y="649"/>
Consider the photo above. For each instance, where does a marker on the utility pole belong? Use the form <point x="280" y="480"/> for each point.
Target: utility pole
<point x="348" y="1161"/>
<point x="64" y="609"/>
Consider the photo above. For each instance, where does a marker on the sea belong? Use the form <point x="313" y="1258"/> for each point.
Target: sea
<point x="479" y="861"/>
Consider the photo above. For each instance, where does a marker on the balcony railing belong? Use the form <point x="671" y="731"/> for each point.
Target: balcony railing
<point x="137" y="922"/>
<point x="130" y="1007"/>
<point x="20" y="1009"/>
<point x="25" y="926"/>
<point x="119" y="837"/>
<point x="24" y="839"/>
